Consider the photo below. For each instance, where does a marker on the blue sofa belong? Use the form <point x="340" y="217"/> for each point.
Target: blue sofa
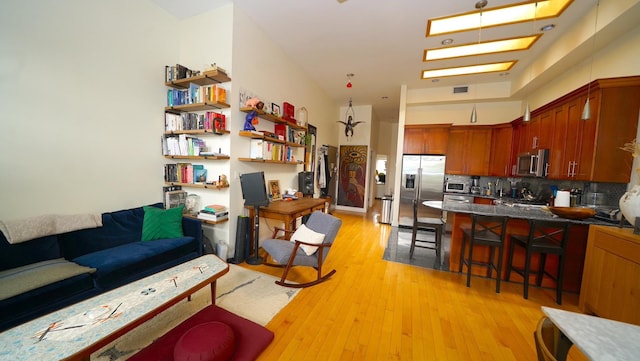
<point x="66" y="268"/>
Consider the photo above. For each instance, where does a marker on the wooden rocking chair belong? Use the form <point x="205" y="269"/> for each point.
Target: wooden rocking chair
<point x="312" y="243"/>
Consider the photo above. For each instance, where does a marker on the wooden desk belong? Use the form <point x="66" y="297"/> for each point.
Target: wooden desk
<point x="289" y="211"/>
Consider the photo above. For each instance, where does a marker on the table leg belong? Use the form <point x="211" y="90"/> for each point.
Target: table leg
<point x="213" y="292"/>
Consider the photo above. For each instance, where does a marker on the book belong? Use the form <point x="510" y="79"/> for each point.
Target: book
<point x="173" y="199"/>
<point x="213" y="217"/>
<point x="213" y="208"/>
<point x="257" y="149"/>
<point x="199" y="173"/>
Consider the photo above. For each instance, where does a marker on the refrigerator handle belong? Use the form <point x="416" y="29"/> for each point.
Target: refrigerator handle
<point x="419" y="185"/>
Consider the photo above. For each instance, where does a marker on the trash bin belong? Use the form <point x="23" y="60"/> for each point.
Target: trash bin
<point x="386" y="209"/>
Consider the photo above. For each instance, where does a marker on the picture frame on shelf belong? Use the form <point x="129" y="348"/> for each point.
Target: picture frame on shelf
<point x="274" y="190"/>
<point x="275" y="109"/>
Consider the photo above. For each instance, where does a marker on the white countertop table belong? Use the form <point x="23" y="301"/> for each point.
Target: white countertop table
<point x="600" y="339"/>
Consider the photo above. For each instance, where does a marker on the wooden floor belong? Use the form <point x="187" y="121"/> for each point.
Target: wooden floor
<point x="373" y="309"/>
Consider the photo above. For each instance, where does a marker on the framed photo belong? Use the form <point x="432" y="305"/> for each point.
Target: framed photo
<point x="275" y="109"/>
<point x="274" y="190"/>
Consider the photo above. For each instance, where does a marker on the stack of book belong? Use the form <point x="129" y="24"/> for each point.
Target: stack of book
<point x="214" y="212"/>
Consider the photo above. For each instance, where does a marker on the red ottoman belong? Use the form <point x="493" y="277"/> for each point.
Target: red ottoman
<point x="211" y="341"/>
<point x="250" y="338"/>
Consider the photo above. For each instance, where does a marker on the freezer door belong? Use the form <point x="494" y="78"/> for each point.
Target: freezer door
<point x="410" y="177"/>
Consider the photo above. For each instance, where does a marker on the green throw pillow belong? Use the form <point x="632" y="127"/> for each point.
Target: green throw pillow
<point x="161" y="223"/>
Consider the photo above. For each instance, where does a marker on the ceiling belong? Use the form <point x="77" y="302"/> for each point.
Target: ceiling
<point x="382" y="42"/>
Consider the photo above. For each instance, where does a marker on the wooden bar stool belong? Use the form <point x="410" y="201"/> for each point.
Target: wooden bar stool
<point x="434" y="224"/>
<point x="545" y="237"/>
<point x="486" y="231"/>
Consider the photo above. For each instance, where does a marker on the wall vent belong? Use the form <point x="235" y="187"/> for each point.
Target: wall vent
<point x="460" y="89"/>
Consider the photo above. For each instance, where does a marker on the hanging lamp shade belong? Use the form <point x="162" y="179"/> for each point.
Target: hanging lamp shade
<point x="474" y="115"/>
<point x="586" y="111"/>
<point x="527" y="114"/>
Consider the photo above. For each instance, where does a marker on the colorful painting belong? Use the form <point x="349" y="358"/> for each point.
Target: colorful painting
<point x="353" y="175"/>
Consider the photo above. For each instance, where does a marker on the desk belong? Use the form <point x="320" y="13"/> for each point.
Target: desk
<point x="74" y="332"/>
<point x="288" y="211"/>
<point x="598" y="338"/>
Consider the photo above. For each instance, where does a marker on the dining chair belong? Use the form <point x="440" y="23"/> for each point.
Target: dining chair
<point x="545" y="237"/>
<point x="426" y="224"/>
<point x="551" y="344"/>
<point x="487" y="231"/>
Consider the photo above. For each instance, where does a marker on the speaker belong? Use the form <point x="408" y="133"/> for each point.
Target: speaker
<point x="305" y="183"/>
<point x="243" y="234"/>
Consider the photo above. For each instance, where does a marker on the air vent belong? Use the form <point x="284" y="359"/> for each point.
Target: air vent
<point x="460" y="89"/>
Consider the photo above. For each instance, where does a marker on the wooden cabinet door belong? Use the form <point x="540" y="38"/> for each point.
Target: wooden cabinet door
<point x="455" y="162"/>
<point x="426" y="139"/>
<point x="500" y="157"/>
<point x="585" y="157"/>
<point x="557" y="168"/>
<point x="544" y="130"/>
<point x="414" y="140"/>
<point x="572" y="138"/>
<point x="478" y="151"/>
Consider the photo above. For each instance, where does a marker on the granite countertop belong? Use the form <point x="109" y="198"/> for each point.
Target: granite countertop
<point x="598" y="338"/>
<point x="522" y="211"/>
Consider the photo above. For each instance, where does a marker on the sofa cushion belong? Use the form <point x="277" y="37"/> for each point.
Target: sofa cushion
<point x="24" y="253"/>
<point x="162" y="223"/>
<point x="29" y="277"/>
<point x="119" y="263"/>
<point x="118" y="228"/>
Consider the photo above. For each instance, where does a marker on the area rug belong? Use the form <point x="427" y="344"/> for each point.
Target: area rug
<point x="249" y="294"/>
<point x="399" y="244"/>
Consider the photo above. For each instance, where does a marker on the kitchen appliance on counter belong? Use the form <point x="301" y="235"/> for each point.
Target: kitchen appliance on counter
<point x="533" y="164"/>
<point x="475" y="185"/>
<point x="422" y="180"/>
<point x="456" y="187"/>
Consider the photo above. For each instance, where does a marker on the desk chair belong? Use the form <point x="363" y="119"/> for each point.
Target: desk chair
<point x="551" y="344"/>
<point x="486" y="231"/>
<point x="433" y="224"/>
<point x="545" y="237"/>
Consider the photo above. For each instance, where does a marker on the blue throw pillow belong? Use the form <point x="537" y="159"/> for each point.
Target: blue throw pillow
<point x="162" y="223"/>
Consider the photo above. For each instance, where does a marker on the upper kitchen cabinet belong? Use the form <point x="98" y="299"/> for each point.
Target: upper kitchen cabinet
<point x="501" y="143"/>
<point x="468" y="150"/>
<point x="589" y="150"/>
<point x="426" y="139"/>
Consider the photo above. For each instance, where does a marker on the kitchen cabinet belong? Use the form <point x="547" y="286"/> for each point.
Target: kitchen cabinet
<point x="468" y="150"/>
<point x="500" y="156"/>
<point x="611" y="278"/>
<point x="426" y="139"/>
<point x="589" y="150"/>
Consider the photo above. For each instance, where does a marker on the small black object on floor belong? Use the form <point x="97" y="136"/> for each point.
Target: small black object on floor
<point x="400" y="241"/>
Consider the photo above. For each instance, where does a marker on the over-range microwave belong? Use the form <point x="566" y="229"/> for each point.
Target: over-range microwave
<point x="533" y="164"/>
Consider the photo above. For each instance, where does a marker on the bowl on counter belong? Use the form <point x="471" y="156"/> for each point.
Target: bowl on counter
<point x="573" y="212"/>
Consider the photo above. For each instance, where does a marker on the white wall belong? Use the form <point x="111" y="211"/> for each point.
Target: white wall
<point x="261" y="67"/>
<point x="81" y="105"/>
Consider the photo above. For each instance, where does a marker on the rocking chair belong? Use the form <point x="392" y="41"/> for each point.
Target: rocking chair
<point x="309" y="246"/>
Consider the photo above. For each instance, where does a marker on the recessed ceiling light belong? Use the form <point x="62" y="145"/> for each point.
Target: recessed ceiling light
<point x="489" y="47"/>
<point x="497" y="16"/>
<point x="466" y="70"/>
<point x="548" y="27"/>
<point x="446" y="42"/>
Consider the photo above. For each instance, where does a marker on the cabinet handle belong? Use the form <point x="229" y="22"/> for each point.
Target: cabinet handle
<point x="532" y="164"/>
<point x="534" y="144"/>
<point x="569" y="169"/>
<point x="575" y="165"/>
<point x="546" y="169"/>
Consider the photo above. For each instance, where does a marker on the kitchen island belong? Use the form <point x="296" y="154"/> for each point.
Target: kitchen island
<point x="519" y="216"/>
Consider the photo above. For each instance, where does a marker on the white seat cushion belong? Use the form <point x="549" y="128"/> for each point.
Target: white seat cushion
<point x="304" y="234"/>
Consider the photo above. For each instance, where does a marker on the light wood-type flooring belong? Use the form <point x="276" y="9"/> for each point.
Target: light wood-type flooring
<point x="373" y="309"/>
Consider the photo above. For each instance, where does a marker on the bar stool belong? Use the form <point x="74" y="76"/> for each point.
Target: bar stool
<point x="435" y="224"/>
<point x="545" y="237"/>
<point x="486" y="231"/>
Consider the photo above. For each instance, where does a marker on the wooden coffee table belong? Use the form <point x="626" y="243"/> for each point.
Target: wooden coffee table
<point x="77" y="331"/>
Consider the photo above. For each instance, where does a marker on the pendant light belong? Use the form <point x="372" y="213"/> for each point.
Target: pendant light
<point x="527" y="111"/>
<point x="586" y="111"/>
<point x="479" y="5"/>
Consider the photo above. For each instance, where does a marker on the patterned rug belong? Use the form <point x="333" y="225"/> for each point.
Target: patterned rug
<point x="249" y="294"/>
<point x="399" y="244"/>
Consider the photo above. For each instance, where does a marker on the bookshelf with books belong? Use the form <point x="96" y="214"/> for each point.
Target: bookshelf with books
<point x="194" y="119"/>
<point x="274" y="146"/>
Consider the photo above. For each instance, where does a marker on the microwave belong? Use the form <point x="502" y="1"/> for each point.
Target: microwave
<point x="456" y="187"/>
<point x="533" y="164"/>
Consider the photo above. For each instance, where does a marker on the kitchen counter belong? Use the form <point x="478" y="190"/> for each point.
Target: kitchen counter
<point x="519" y="216"/>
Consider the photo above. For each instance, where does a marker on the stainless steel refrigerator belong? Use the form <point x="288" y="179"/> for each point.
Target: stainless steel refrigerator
<point x="423" y="180"/>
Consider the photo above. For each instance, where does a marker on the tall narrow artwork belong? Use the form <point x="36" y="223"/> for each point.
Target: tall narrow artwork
<point x="353" y="175"/>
